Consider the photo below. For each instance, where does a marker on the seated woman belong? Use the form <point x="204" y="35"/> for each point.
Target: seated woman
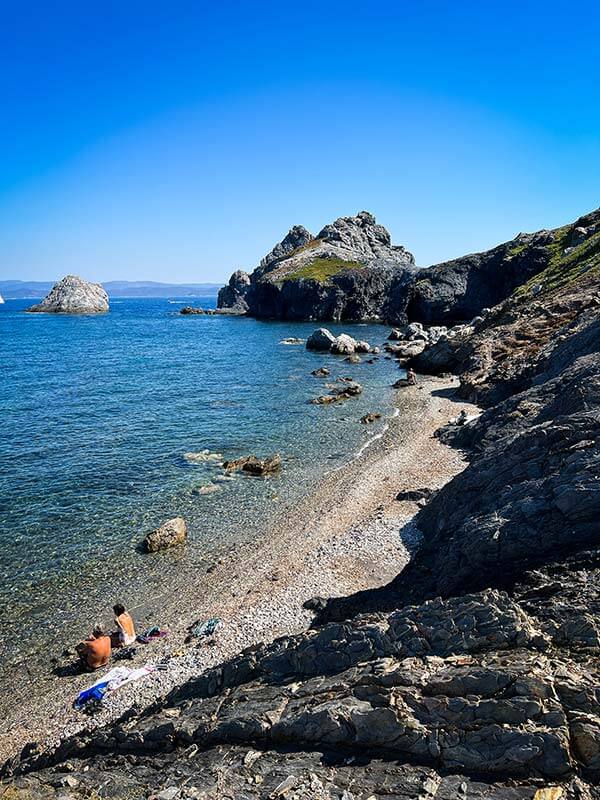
<point x="125" y="634"/>
<point x="94" y="652"/>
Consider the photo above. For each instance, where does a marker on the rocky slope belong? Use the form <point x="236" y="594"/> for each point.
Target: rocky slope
<point x="348" y="271"/>
<point x="73" y="295"/>
<point x="529" y="492"/>
<point x="474" y="673"/>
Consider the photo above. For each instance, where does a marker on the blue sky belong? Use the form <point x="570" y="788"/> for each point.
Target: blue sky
<point x="178" y="141"/>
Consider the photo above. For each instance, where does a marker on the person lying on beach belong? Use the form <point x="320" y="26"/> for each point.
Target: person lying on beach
<point x="94" y="652"/>
<point x="125" y="634"/>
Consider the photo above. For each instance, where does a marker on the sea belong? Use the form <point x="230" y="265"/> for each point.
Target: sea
<point x="114" y="423"/>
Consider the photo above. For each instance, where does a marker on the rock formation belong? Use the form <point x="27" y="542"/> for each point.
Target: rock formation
<point x="345" y="272"/>
<point x="350" y="271"/>
<point x="73" y="295"/>
<point x="232" y="296"/>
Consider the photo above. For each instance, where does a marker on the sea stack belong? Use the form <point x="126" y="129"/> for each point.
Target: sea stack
<point x="73" y="295"/>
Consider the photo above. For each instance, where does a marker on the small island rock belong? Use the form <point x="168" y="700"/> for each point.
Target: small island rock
<point x="73" y="295"/>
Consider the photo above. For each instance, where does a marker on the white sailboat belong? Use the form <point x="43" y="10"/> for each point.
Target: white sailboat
<point x="1" y="299"/>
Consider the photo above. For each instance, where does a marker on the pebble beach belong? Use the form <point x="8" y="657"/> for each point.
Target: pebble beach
<point x="352" y="534"/>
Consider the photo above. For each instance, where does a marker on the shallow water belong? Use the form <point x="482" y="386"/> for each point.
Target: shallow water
<point x="113" y="423"/>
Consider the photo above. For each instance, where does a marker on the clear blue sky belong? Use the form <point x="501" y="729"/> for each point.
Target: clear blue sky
<point x="178" y="141"/>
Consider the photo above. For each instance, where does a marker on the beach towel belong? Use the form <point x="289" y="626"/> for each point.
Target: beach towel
<point x="113" y="680"/>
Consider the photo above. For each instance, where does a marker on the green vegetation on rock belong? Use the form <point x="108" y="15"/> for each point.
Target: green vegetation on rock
<point x="565" y="267"/>
<point x="321" y="269"/>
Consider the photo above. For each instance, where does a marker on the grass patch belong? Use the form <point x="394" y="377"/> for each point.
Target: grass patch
<point x="517" y="250"/>
<point x="565" y="268"/>
<point x="322" y="269"/>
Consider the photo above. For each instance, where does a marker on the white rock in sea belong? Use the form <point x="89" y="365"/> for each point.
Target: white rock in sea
<point x="73" y="295"/>
<point x="344" y="345"/>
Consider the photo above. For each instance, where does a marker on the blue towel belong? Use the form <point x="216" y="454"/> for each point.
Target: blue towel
<point x="95" y="692"/>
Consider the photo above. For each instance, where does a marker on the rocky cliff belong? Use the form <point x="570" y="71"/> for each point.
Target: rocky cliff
<point x="351" y="271"/>
<point x="474" y="673"/>
<point x="348" y="271"/>
<point x="73" y="295"/>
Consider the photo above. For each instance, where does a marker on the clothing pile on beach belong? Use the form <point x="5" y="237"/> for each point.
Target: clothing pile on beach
<point x="113" y="680"/>
<point x="151" y="635"/>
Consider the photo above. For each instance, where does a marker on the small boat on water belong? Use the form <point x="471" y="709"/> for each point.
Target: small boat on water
<point x="1" y="299"/>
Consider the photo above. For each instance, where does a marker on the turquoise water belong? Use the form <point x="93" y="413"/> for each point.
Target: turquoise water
<point x="99" y="416"/>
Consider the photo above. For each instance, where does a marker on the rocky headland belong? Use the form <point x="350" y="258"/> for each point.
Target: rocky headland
<point x="472" y="673"/>
<point x="348" y="271"/>
<point x="73" y="295"/>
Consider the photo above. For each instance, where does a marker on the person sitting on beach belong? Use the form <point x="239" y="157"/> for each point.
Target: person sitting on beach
<point x="411" y="377"/>
<point x="125" y="634"/>
<point x="94" y="651"/>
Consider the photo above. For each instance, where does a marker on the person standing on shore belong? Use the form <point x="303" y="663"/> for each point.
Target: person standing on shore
<point x="411" y="377"/>
<point x="94" y="652"/>
<point x="125" y="634"/>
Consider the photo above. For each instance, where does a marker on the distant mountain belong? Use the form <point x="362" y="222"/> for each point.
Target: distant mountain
<point x="22" y="289"/>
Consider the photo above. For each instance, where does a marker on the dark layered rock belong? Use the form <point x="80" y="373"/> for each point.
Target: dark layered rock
<point x="459" y="289"/>
<point x="73" y="295"/>
<point x="474" y="686"/>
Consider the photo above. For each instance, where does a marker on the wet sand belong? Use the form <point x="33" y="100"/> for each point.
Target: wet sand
<point x="351" y="534"/>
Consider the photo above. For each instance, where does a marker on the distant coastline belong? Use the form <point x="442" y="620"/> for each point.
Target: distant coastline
<point x="24" y="290"/>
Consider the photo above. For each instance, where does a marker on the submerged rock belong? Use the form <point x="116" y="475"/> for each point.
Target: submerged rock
<point x="368" y="418"/>
<point x="73" y="295"/>
<point x="322" y="372"/>
<point x="172" y="533"/>
<point x="255" y="466"/>
<point x="338" y="394"/>
<point x="292" y="340"/>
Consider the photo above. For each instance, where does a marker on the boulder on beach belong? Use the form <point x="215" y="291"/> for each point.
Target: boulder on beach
<point x="255" y="466"/>
<point x="406" y="349"/>
<point x="170" y="534"/>
<point x="321" y="339"/>
<point x="73" y="295"/>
